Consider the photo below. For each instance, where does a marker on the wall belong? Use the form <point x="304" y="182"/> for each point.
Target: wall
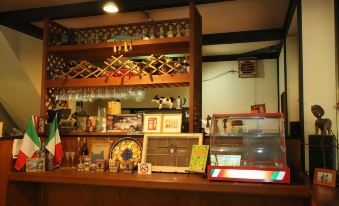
<point x="318" y="37"/>
<point x="231" y="94"/>
<point x="20" y="78"/>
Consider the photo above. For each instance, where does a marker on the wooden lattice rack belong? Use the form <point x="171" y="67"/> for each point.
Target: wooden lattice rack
<point x="62" y="45"/>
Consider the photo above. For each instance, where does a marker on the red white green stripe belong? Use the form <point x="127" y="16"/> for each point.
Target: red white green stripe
<point x="30" y="145"/>
<point x="248" y="174"/>
<point x="53" y="143"/>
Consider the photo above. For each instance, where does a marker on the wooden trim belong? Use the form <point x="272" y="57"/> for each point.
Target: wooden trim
<point x="243" y="36"/>
<point x="119" y="81"/>
<point x="104" y="50"/>
<point x="235" y="57"/>
<point x="301" y="82"/>
<point x="133" y="24"/>
<point x="43" y="108"/>
<point x="195" y="54"/>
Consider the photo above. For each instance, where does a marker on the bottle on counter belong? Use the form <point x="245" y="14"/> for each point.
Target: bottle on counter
<point x="42" y="155"/>
<point x="84" y="149"/>
<point x="78" y="152"/>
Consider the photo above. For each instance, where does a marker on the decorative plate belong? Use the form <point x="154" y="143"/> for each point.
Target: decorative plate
<point x="126" y="149"/>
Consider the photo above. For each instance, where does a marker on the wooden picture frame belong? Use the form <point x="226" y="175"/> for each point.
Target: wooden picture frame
<point x="169" y="152"/>
<point x="171" y="123"/>
<point x="152" y="123"/>
<point x="324" y="177"/>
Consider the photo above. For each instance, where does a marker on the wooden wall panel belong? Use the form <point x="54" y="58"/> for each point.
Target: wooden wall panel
<point x="5" y="167"/>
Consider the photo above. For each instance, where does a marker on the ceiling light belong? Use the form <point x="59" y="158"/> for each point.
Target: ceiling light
<point x="110" y="7"/>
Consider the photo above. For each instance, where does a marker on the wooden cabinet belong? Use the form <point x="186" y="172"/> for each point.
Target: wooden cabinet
<point x="56" y="55"/>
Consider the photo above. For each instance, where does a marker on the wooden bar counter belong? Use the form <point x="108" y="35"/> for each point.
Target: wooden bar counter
<point x="68" y="187"/>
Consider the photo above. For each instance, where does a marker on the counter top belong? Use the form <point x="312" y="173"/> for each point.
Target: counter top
<point x="168" y="181"/>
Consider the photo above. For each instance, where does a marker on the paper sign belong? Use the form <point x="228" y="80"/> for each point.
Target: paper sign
<point x="145" y="168"/>
<point x="198" y="158"/>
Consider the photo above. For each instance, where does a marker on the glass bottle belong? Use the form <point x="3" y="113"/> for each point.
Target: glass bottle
<point x="78" y="151"/>
<point x="84" y="149"/>
<point x="42" y="155"/>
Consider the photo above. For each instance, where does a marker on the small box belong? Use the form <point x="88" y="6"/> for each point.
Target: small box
<point x="113" y="165"/>
<point x="100" y="165"/>
<point x="92" y="123"/>
<point x="35" y="165"/>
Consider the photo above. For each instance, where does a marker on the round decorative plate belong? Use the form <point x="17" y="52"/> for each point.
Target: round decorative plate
<point x="126" y="149"/>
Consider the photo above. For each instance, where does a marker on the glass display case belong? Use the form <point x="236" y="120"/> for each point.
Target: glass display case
<point x="248" y="147"/>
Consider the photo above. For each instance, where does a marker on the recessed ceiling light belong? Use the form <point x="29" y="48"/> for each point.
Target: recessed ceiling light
<point x="110" y="7"/>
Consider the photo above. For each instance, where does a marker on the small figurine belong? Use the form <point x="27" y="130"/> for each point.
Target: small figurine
<point x="170" y="31"/>
<point x="208" y="119"/>
<point x="169" y="101"/>
<point x="224" y="121"/>
<point x="180" y="102"/>
<point x="324" y="125"/>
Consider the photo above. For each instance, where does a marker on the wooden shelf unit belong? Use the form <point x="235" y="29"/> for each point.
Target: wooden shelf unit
<point x="165" y="80"/>
<point x="191" y="45"/>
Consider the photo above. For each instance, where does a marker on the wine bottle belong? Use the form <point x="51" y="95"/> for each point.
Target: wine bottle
<point x="78" y="152"/>
<point x="84" y="149"/>
<point x="42" y="153"/>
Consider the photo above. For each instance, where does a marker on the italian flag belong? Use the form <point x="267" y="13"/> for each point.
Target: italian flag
<point x="30" y="145"/>
<point x="53" y="143"/>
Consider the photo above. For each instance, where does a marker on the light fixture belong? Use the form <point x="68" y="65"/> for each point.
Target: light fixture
<point x="110" y="6"/>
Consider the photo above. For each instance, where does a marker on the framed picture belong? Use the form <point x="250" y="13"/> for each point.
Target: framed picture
<point x="100" y="151"/>
<point x="125" y="123"/>
<point x="324" y="177"/>
<point x="152" y="123"/>
<point x="169" y="152"/>
<point x="171" y="123"/>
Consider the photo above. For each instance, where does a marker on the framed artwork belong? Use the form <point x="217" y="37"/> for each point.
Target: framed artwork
<point x="100" y="151"/>
<point x="152" y="123"/>
<point x="171" y="123"/>
<point x="324" y="177"/>
<point x="169" y="152"/>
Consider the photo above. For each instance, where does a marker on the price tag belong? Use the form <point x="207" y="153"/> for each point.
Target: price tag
<point x="145" y="168"/>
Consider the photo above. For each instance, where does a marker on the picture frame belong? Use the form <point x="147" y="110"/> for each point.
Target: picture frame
<point x="169" y="152"/>
<point x="171" y="123"/>
<point x="152" y="123"/>
<point x="100" y="150"/>
<point x="324" y="177"/>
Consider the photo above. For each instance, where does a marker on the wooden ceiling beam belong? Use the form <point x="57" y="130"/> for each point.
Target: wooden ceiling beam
<point x="235" y="57"/>
<point x="92" y="8"/>
<point x="244" y="36"/>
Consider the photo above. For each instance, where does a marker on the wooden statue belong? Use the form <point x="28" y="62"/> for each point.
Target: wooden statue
<point x="323" y="124"/>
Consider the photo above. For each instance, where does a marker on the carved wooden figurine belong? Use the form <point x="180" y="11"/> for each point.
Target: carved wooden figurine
<point x="323" y="124"/>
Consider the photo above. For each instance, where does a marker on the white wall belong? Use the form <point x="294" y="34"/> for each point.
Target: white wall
<point x="318" y="36"/>
<point x="231" y="94"/>
<point x="20" y="79"/>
